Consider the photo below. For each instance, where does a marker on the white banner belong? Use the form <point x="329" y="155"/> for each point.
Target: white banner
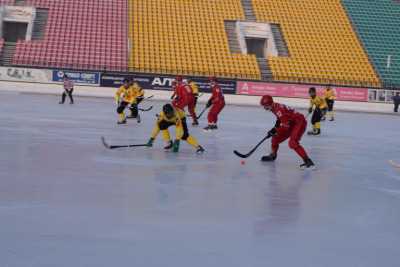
<point x="25" y="75"/>
<point x="19" y="13"/>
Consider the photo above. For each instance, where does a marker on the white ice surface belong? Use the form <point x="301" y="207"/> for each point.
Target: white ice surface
<point x="65" y="200"/>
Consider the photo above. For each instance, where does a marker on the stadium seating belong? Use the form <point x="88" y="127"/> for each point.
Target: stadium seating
<point x="333" y="41"/>
<point x="378" y="26"/>
<point x="6" y="2"/>
<point x="186" y="37"/>
<point x="322" y="44"/>
<point x="79" y="34"/>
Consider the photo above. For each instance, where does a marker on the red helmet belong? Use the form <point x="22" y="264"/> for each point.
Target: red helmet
<point x="266" y="101"/>
<point x="179" y="78"/>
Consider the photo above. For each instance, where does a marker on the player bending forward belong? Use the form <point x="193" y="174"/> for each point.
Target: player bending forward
<point x="173" y="116"/>
<point x="183" y="96"/>
<point x="289" y="124"/>
<point x="124" y="97"/>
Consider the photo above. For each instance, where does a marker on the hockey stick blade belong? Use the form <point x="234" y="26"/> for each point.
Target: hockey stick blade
<point x="251" y="151"/>
<point x="121" y="146"/>
<point x="103" y="140"/>
<point x="149" y="97"/>
<point x="146" y="109"/>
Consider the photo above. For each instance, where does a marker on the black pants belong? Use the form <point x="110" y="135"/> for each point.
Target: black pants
<point x="316" y="116"/>
<point x="330" y="104"/>
<point x="64" y="95"/>
<point x="122" y="106"/>
<point x="396" y="107"/>
<point x="164" y="125"/>
<point x="134" y="110"/>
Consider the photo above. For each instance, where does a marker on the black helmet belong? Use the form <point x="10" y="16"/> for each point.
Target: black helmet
<point x="126" y="80"/>
<point x="168" y="110"/>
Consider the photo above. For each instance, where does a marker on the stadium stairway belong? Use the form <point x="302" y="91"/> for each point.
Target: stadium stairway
<point x="248" y="10"/>
<point x="40" y="22"/>
<point x="230" y="29"/>
<point x="7" y="54"/>
<point x="280" y="42"/>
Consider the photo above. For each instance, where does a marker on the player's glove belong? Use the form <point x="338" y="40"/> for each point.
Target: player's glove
<point x="272" y="132"/>
<point x="150" y="142"/>
<point x="209" y="103"/>
<point x="310" y="110"/>
<point x="175" y="146"/>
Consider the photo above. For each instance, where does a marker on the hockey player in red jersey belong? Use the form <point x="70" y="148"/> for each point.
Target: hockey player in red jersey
<point x="183" y="96"/>
<point x="216" y="102"/>
<point x="289" y="124"/>
<point x="178" y="97"/>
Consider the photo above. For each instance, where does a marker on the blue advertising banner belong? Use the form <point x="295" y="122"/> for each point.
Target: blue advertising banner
<point x="160" y="82"/>
<point x="84" y="78"/>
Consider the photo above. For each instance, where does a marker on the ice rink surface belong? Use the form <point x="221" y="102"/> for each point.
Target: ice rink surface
<point x="65" y="200"/>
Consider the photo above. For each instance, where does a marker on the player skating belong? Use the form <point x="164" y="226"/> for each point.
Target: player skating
<point x="318" y="105"/>
<point x="183" y="96"/>
<point x="68" y="90"/>
<point x="216" y="102"/>
<point x="171" y="116"/>
<point x="138" y="95"/>
<point x="124" y="97"/>
<point x="289" y="124"/>
<point x="193" y="103"/>
<point x="330" y="97"/>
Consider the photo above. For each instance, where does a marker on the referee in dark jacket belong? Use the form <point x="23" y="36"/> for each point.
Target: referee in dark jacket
<point x="396" y="102"/>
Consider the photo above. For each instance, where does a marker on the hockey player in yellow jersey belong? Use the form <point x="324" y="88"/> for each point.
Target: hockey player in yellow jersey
<point x="173" y="116"/>
<point x="138" y="94"/>
<point x="329" y="95"/>
<point x="195" y="90"/>
<point x="124" y="97"/>
<point x="318" y="105"/>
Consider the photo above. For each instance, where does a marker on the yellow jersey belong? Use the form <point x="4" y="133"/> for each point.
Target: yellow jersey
<point x="125" y="94"/>
<point x="318" y="102"/>
<point x="195" y="88"/>
<point x="329" y="94"/>
<point x="176" y="120"/>
<point x="137" y="91"/>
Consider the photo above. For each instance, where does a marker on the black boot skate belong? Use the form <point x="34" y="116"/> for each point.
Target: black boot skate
<point x="270" y="157"/>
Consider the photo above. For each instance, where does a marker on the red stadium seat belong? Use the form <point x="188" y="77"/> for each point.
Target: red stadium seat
<point x="77" y="35"/>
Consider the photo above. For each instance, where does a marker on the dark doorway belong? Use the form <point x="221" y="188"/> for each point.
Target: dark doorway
<point x="256" y="46"/>
<point x="14" y="31"/>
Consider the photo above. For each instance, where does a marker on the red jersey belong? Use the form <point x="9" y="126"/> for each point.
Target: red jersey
<point x="184" y="95"/>
<point x="217" y="95"/>
<point x="286" y="117"/>
<point x="183" y="90"/>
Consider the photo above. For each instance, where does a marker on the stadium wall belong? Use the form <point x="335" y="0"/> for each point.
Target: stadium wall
<point x="93" y="84"/>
